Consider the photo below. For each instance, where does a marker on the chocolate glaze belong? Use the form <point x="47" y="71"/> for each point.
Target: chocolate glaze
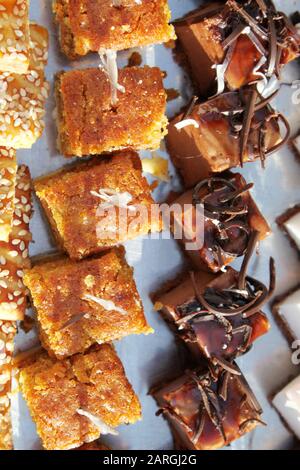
<point x="211" y="35"/>
<point x="213" y="336"/>
<point x="215" y="145"/>
<point x="224" y="228"/>
<point x="208" y="409"/>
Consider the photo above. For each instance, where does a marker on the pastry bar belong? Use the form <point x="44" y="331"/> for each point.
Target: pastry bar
<point x="90" y="25"/>
<point x="107" y="190"/>
<point x="236" y="43"/>
<point x="217" y="315"/>
<point x="14" y="36"/>
<point x="88" y="121"/>
<point x="222" y="133"/>
<point x="286" y="310"/>
<point x="8" y="330"/>
<point x="23" y="97"/>
<point x="214" y="221"/>
<point x="78" y="399"/>
<point x="13" y="258"/>
<point x="78" y="304"/>
<point x="8" y="170"/>
<point x="287" y="403"/>
<point x="289" y="222"/>
<point x="208" y="409"/>
<point x="14" y="253"/>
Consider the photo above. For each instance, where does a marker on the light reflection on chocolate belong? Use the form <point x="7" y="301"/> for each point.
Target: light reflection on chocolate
<point x="208" y="410"/>
<point x="262" y="40"/>
<point x="229" y="131"/>
<point x="229" y="216"/>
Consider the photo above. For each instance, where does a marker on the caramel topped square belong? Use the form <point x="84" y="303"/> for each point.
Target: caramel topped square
<point x="235" y="43"/>
<point x="89" y="25"/>
<point x="79" y="304"/>
<point x="88" y="220"/>
<point x="208" y="408"/>
<point x="216" y="220"/>
<point x="211" y="138"/>
<point x="76" y="400"/>
<point x="220" y="339"/>
<point x="88" y="122"/>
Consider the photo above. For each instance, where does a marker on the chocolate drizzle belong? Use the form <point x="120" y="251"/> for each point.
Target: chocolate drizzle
<point x="190" y="107"/>
<point x="269" y="26"/>
<point x="247" y="120"/>
<point x="230" y="309"/>
<point x="246" y="298"/>
<point x="242" y="122"/>
<point x="226" y="205"/>
<point x="216" y="389"/>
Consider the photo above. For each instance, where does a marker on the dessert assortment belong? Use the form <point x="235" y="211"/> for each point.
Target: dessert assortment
<point x="84" y="296"/>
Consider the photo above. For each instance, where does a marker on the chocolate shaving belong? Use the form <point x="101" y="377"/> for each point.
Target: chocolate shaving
<point x="266" y="101"/>
<point x="197" y="316"/>
<point x="286" y="137"/>
<point x="200" y="426"/>
<point x="243" y="426"/>
<point x="247" y="119"/>
<point x="250" y="249"/>
<point x="265" y="293"/>
<point x="278" y="60"/>
<point x="272" y="45"/>
<point x="249" y="394"/>
<point x="210" y="210"/>
<point x="258" y="294"/>
<point x="248" y="18"/>
<point x="247" y="332"/>
<point x="174" y="415"/>
<point x="210" y="402"/>
<point x="240" y="29"/>
<point x="190" y="107"/>
<point x="262" y="6"/>
<point x="237" y="193"/>
<point x="226" y="365"/>
<point x="262" y="144"/>
<point x="223" y="388"/>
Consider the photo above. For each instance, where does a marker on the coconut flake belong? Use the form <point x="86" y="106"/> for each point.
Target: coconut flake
<point x="187" y="122"/>
<point x="109" y="64"/>
<point x="112" y="198"/>
<point x="98" y="422"/>
<point x="119" y="3"/>
<point x="106" y="304"/>
<point x="221" y="70"/>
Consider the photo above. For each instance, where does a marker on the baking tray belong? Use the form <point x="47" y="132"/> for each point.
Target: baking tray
<point x="150" y="359"/>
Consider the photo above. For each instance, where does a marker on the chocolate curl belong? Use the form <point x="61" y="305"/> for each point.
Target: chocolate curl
<point x="247" y="120"/>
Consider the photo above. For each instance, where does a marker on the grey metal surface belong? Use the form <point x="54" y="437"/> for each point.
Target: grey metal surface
<point x="149" y="359"/>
